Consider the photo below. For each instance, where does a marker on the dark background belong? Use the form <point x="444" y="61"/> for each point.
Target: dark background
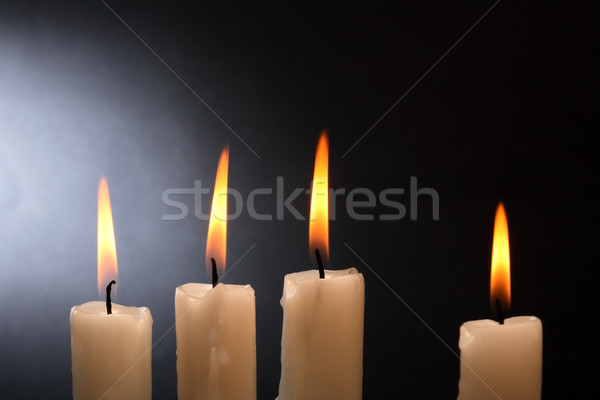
<point x="506" y="115"/>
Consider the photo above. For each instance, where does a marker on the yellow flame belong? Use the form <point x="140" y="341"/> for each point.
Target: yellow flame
<point x="107" y="250"/>
<point x="318" y="232"/>
<point x="216" y="242"/>
<point x="500" y="276"/>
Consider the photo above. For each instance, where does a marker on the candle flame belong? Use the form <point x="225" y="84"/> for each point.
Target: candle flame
<point x="318" y="232"/>
<point x="500" y="276"/>
<point x="216" y="243"/>
<point x="107" y="251"/>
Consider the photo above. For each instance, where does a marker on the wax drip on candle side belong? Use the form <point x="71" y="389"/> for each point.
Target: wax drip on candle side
<point x="320" y="263"/>
<point x="215" y="276"/>
<point x="108" y="302"/>
<point x="499" y="311"/>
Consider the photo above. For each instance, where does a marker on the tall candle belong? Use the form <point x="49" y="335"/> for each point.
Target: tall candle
<point x="323" y="315"/>
<point x="322" y="340"/>
<point x="110" y="343"/>
<point x="215" y="324"/>
<point x="501" y="360"/>
<point x="216" y="342"/>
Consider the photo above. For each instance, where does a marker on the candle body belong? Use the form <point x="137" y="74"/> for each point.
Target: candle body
<point x="111" y="354"/>
<point x="322" y="339"/>
<point x="501" y="361"/>
<point x="216" y="342"/>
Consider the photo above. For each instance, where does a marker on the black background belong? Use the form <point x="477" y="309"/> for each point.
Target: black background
<point x="505" y="115"/>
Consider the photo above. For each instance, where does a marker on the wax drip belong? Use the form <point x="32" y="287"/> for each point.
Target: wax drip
<point x="108" y="302"/>
<point x="215" y="276"/>
<point x="320" y="263"/>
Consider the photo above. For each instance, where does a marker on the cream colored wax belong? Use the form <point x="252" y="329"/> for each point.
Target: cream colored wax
<point x="216" y="342"/>
<point x="111" y="354"/>
<point x="322" y="340"/>
<point x="501" y="361"/>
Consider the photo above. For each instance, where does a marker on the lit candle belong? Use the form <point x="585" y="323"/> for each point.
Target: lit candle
<point x="215" y="324"/>
<point x="501" y="360"/>
<point x="111" y="345"/>
<point x="323" y="315"/>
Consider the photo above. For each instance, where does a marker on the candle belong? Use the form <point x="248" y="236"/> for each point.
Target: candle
<point x="110" y="344"/>
<point x="215" y="324"/>
<point x="323" y="315"/>
<point x="501" y="360"/>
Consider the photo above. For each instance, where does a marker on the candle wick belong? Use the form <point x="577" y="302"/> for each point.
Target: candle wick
<point x="499" y="311"/>
<point x="215" y="276"/>
<point x="108" y="302"/>
<point x="320" y="263"/>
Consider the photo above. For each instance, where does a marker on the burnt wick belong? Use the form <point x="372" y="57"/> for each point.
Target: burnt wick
<point x="320" y="264"/>
<point x="215" y="276"/>
<point x="108" y="302"/>
<point x="499" y="311"/>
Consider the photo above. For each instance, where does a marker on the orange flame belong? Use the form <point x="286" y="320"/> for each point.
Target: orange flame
<point x="107" y="251"/>
<point x="216" y="242"/>
<point x="500" y="277"/>
<point x="318" y="231"/>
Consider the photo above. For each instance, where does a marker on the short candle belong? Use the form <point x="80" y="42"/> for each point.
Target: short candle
<point x="111" y="345"/>
<point x="501" y="360"/>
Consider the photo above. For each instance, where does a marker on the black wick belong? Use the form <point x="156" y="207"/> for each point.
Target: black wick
<point x="108" y="303"/>
<point x="320" y="263"/>
<point x="499" y="311"/>
<point x="215" y="276"/>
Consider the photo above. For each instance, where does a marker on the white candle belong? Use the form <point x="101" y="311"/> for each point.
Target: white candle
<point x="111" y="353"/>
<point x="501" y="360"/>
<point x="322" y="342"/>
<point x="215" y="326"/>
<point x="216" y="342"/>
<point x="111" y="357"/>
<point x="323" y="314"/>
